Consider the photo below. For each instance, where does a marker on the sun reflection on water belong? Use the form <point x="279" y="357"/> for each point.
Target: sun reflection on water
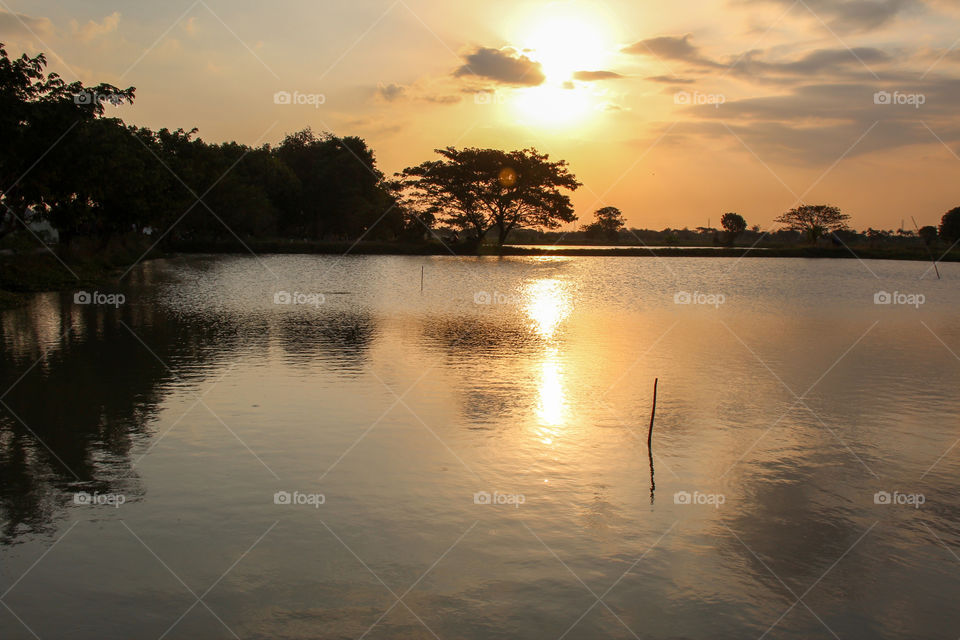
<point x="547" y="304"/>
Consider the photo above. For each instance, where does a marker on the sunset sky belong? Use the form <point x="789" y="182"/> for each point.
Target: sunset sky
<point x="674" y="113"/>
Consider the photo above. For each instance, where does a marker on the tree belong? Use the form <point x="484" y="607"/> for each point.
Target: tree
<point x="814" y="220"/>
<point x="607" y="224"/>
<point x="39" y="118"/>
<point x="950" y="225"/>
<point x="928" y="234"/>
<point x="479" y="190"/>
<point x="733" y="224"/>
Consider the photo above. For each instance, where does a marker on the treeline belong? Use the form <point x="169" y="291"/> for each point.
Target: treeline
<point x="62" y="160"/>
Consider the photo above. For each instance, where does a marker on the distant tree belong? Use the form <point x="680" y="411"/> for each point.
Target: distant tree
<point x="755" y="228"/>
<point x="814" y="220"/>
<point x="733" y="224"/>
<point x="950" y="225"/>
<point x="607" y="224"/>
<point x="478" y="190"/>
<point x="928" y="234"/>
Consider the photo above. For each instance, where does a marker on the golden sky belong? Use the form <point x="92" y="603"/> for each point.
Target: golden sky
<point x="673" y="112"/>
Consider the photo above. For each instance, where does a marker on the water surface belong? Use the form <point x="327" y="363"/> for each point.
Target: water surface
<point x="786" y="400"/>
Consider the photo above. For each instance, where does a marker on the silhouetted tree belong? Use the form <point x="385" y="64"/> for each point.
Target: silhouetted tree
<point x="814" y="220"/>
<point x="928" y="234"/>
<point x="607" y="224"/>
<point x="733" y="224"/>
<point x="950" y="225"/>
<point x="39" y="118"/>
<point x="477" y="190"/>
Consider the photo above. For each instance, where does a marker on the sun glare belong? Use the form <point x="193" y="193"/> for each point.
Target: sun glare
<point x="563" y="40"/>
<point x="566" y="43"/>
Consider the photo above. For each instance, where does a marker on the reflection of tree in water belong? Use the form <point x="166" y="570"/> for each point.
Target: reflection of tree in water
<point x="89" y="400"/>
<point x="475" y="348"/>
<point x="339" y="339"/>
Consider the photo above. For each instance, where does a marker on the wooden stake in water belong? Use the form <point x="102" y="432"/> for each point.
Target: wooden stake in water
<point x="421" y="278"/>
<point x="653" y="412"/>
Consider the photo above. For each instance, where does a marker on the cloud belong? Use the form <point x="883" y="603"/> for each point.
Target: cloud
<point x="391" y="92"/>
<point x="671" y="48"/>
<point x="816" y="124"/>
<point x="589" y="76"/>
<point x="506" y="66"/>
<point x="670" y="80"/>
<point x="857" y="15"/>
<point x="752" y="65"/>
<point x="19" y="24"/>
<point x="92" y="29"/>
<point x="817" y="61"/>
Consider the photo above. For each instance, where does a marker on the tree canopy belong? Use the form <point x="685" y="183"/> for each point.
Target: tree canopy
<point x="481" y="190"/>
<point x="950" y="225"/>
<point x="814" y="220"/>
<point x="608" y="221"/>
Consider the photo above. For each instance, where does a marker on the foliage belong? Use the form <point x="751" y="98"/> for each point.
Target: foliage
<point x="607" y="224"/>
<point x="814" y="220"/>
<point x="950" y="225"/>
<point x="479" y="190"/>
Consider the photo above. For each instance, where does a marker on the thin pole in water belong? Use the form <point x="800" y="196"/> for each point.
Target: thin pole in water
<point x="928" y="248"/>
<point x="421" y="278"/>
<point x="653" y="412"/>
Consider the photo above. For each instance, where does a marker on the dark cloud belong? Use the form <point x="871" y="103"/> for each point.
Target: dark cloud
<point x="671" y="48"/>
<point x="856" y="15"/>
<point x="670" y="80"/>
<point x="506" y="66"/>
<point x="816" y="61"/>
<point x="589" y="76"/>
<point x="817" y="124"/>
<point x="391" y="92"/>
<point x="752" y="65"/>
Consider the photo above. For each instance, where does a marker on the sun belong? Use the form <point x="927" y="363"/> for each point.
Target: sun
<point x="565" y="42"/>
<point x="564" y="39"/>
